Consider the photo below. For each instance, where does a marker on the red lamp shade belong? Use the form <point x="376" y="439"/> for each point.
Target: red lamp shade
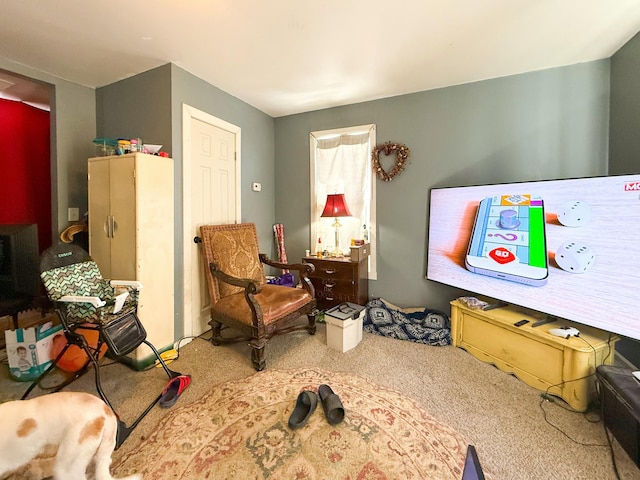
<point x="336" y="206"/>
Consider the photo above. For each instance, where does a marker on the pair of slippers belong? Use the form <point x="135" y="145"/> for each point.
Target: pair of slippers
<point x="308" y="401"/>
<point x="173" y="389"/>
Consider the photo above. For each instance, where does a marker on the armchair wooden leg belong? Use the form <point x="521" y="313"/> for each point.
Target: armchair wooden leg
<point x="215" y="332"/>
<point x="257" y="354"/>
<point x="311" y="328"/>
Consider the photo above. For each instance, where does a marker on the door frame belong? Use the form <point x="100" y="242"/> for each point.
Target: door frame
<point x="188" y="113"/>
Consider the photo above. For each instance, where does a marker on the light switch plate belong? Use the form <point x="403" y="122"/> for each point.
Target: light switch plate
<point x="73" y="214"/>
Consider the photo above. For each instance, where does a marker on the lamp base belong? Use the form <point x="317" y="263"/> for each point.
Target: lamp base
<point x="336" y="249"/>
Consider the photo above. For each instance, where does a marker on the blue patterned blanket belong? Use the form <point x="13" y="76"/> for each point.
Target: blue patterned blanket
<point x="431" y="327"/>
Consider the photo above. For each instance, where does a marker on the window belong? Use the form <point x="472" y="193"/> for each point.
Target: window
<point x="341" y="163"/>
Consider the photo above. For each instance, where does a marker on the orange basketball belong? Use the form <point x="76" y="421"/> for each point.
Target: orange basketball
<point x="75" y="357"/>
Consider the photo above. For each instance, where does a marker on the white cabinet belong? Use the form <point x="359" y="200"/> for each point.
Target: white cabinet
<point x="131" y="235"/>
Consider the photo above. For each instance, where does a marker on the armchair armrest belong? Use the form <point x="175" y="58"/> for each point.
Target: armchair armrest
<point x="250" y="286"/>
<point x="303" y="268"/>
<point x="95" y="301"/>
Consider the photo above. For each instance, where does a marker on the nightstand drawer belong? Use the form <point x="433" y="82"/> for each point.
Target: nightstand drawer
<point x="327" y="270"/>
<point x="339" y="280"/>
<point x="330" y="292"/>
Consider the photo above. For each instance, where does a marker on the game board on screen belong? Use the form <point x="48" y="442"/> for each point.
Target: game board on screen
<point x="568" y="248"/>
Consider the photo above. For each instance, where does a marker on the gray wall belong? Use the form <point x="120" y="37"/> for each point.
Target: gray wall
<point x="137" y="107"/>
<point x="624" y="149"/>
<point x="149" y="106"/>
<point x="73" y="127"/>
<point x="541" y="125"/>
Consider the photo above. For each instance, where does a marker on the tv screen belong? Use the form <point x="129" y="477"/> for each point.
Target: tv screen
<point x="568" y="248"/>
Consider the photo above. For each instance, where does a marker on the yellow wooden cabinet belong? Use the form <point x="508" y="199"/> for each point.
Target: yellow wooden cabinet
<point x="559" y="366"/>
<point x="131" y="235"/>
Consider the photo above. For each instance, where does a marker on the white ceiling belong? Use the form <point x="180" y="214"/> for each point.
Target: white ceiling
<point x="292" y="56"/>
<point x="20" y="89"/>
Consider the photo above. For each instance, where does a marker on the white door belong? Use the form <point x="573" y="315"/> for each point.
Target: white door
<point x="211" y="177"/>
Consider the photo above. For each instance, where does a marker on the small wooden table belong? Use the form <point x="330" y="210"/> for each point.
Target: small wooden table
<point x="558" y="366"/>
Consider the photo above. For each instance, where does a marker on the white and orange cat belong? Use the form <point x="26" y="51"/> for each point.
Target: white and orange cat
<point x="79" y="427"/>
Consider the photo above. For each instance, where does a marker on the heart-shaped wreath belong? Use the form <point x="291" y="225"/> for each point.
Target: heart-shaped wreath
<point x="402" y="154"/>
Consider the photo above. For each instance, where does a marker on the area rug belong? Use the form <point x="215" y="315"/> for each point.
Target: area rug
<point x="239" y="431"/>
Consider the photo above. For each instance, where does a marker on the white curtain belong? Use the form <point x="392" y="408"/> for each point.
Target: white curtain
<point x="342" y="166"/>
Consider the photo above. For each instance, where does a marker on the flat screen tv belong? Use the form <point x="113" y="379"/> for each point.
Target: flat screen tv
<point x="567" y="248"/>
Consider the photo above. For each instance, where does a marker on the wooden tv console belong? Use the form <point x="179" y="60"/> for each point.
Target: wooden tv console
<point x="558" y="366"/>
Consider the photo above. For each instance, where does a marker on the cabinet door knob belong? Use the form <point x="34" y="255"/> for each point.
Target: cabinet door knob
<point x="197" y="240"/>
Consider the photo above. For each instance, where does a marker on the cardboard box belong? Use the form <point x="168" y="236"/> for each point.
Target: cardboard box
<point x="359" y="253"/>
<point x="29" y="350"/>
<point x="344" y="326"/>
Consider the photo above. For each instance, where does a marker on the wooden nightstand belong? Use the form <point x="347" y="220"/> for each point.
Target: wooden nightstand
<point x="339" y="280"/>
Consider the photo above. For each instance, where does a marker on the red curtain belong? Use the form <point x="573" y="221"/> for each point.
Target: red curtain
<point x="25" y="178"/>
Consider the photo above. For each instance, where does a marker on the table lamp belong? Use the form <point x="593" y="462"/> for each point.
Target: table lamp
<point x="336" y="206"/>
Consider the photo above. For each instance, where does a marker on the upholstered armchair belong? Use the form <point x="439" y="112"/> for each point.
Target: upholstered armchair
<point x="242" y="299"/>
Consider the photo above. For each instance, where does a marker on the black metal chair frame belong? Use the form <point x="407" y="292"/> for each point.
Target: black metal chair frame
<point x="74" y="337"/>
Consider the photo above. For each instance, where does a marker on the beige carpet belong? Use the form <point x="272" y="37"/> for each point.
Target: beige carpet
<point x="516" y="434"/>
<point x="239" y="430"/>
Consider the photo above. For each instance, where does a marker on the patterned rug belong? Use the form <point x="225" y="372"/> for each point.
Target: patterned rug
<point x="239" y="431"/>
